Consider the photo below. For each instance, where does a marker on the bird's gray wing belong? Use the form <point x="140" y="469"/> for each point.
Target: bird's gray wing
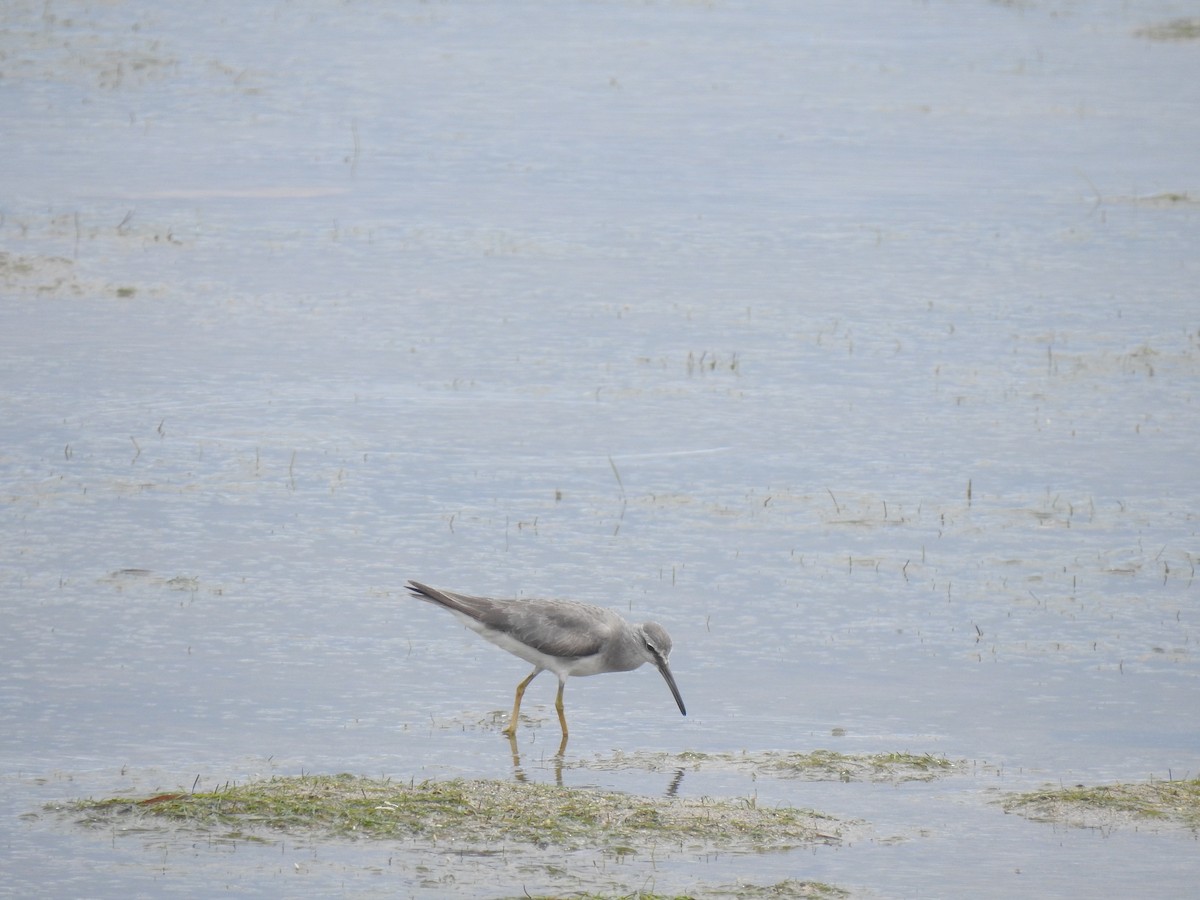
<point x="559" y="628"/>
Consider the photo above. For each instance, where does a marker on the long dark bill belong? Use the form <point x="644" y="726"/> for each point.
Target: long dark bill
<point x="666" y="673"/>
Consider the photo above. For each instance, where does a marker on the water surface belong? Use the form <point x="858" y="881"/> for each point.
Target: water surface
<point x="856" y="346"/>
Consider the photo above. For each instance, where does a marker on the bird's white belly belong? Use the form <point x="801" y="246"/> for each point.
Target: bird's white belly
<point x="583" y="665"/>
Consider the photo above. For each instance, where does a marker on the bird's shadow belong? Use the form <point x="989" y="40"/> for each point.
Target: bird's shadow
<point x="556" y="759"/>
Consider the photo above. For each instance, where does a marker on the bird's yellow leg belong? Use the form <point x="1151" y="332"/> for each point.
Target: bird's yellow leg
<point x="558" y="705"/>
<point x="511" y="730"/>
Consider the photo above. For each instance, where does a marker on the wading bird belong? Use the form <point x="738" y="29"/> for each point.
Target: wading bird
<point x="564" y="636"/>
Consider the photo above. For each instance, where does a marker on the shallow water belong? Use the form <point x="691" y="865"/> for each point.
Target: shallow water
<point x="858" y="349"/>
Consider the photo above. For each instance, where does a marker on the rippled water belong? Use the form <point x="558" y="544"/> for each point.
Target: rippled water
<point x="858" y="347"/>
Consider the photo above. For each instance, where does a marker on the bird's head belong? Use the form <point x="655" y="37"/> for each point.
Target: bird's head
<point x="658" y="648"/>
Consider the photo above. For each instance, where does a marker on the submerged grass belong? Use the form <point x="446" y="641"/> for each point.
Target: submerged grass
<point x="815" y="765"/>
<point x="789" y="887"/>
<point x="477" y="812"/>
<point x="860" y="767"/>
<point x="1174" y="802"/>
<point x="1174" y="30"/>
